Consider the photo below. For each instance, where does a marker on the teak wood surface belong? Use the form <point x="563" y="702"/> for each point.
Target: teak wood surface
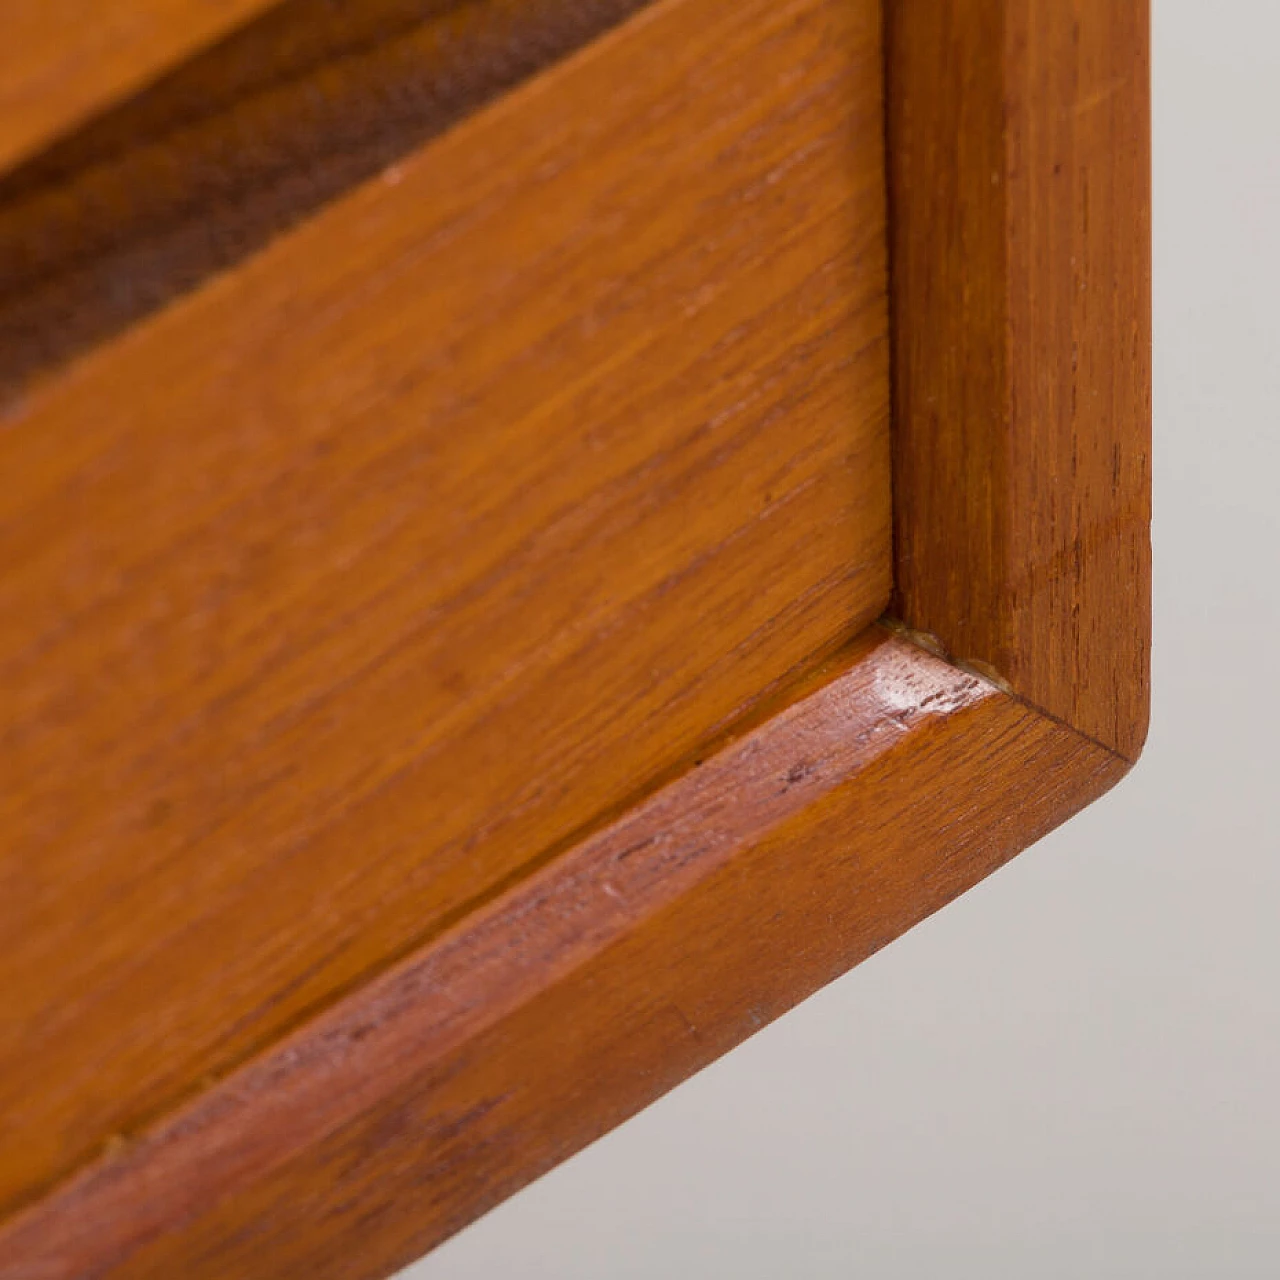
<point x="424" y="539"/>
<point x="1019" y="137"/>
<point x="63" y="60"/>
<point x="440" y="706"/>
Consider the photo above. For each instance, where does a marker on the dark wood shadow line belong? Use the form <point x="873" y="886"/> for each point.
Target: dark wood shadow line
<point x="244" y="141"/>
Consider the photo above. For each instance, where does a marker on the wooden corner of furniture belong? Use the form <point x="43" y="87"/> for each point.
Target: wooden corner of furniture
<point x="1007" y="689"/>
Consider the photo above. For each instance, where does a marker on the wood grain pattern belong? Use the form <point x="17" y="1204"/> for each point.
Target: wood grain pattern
<point x="61" y="60"/>
<point x="583" y="993"/>
<point x="422" y="754"/>
<point x="239" y="145"/>
<point x="336" y="596"/>
<point x="1019" y="149"/>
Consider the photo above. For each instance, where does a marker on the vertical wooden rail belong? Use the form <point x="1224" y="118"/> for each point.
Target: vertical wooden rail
<point x="1019" y="175"/>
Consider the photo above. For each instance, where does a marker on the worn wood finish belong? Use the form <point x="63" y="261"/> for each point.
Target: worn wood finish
<point x="342" y="592"/>
<point x="1019" y="147"/>
<point x="589" y="989"/>
<point x="61" y="60"/>
<point x="240" y="144"/>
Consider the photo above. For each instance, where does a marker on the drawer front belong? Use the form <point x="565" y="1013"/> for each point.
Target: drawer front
<point x="358" y="581"/>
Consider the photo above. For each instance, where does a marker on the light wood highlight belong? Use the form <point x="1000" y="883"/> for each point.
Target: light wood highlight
<point x="588" y="990"/>
<point x="1019" y="173"/>
<point x="62" y="60"/>
<point x="336" y="596"/>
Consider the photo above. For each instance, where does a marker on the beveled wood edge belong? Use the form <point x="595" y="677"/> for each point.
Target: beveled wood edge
<point x="99" y="72"/>
<point x="893" y="783"/>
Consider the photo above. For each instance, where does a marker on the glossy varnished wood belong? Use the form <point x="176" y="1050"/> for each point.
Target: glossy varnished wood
<point x="889" y="784"/>
<point x="61" y="60"/>
<point x="1019" y="153"/>
<point x="344" y="591"/>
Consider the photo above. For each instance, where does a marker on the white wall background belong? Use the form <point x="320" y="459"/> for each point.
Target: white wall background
<point x="1074" y="1071"/>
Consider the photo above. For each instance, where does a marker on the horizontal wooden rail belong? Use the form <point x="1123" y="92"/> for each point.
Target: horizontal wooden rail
<point x="586" y="991"/>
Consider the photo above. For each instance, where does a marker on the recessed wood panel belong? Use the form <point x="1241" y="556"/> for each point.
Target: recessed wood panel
<point x="344" y="591"/>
